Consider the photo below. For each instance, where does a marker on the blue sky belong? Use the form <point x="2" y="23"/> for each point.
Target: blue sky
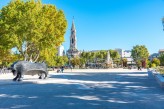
<point x="110" y="24"/>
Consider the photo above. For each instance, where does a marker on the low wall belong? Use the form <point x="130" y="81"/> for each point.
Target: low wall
<point x="153" y="74"/>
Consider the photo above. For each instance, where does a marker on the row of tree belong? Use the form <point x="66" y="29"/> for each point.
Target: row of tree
<point x="139" y="53"/>
<point x="94" y="57"/>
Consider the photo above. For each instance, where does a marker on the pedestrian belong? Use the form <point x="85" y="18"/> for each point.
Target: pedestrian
<point x="139" y="68"/>
<point x="62" y="69"/>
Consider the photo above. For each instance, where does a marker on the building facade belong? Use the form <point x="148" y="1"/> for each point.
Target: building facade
<point x="161" y="51"/>
<point x="154" y="55"/>
<point x="61" y="51"/>
<point x="126" y="54"/>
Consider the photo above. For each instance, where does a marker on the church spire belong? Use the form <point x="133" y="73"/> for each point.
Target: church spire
<point x="73" y="36"/>
<point x="73" y="42"/>
<point x="73" y="25"/>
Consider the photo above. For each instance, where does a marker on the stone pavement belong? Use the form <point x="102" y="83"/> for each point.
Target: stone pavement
<point x="83" y="89"/>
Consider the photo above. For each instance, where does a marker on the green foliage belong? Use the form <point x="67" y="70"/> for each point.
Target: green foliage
<point x="140" y="52"/>
<point x="156" y="61"/>
<point x="161" y="58"/>
<point x="160" y="69"/>
<point x="114" y="54"/>
<point x="138" y="63"/>
<point x="100" y="56"/>
<point x="82" y="62"/>
<point x="153" y="65"/>
<point x="124" y="61"/>
<point x="140" y="55"/>
<point x="31" y="27"/>
<point x="60" y="61"/>
<point x="6" y="56"/>
<point x="75" y="61"/>
<point x="148" y="64"/>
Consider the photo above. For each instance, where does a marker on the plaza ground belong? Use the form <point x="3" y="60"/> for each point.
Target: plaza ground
<point x="83" y="89"/>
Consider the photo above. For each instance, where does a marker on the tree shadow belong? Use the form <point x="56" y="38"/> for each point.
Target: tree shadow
<point x="86" y="91"/>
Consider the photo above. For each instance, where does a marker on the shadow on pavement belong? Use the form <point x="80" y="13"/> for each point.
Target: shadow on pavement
<point x="132" y="90"/>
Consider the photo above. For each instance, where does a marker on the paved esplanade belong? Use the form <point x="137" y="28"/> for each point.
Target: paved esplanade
<point x="83" y="90"/>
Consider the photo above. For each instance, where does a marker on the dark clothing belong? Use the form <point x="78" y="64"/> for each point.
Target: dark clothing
<point x="139" y="67"/>
<point x="62" y="69"/>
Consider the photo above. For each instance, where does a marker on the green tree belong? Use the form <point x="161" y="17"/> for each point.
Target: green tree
<point x="6" y="56"/>
<point x="139" y="63"/>
<point x="83" y="58"/>
<point x="161" y="58"/>
<point x="115" y="57"/>
<point x="100" y="56"/>
<point x="148" y="63"/>
<point x="140" y="53"/>
<point x="124" y="62"/>
<point x="103" y="54"/>
<point x="60" y="61"/>
<point x="32" y="28"/>
<point x="114" y="54"/>
<point x="153" y="65"/>
<point x="75" y="61"/>
<point x="156" y="61"/>
<point x="82" y="62"/>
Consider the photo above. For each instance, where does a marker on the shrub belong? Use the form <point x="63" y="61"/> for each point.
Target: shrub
<point x="156" y="61"/>
<point x="153" y="65"/>
<point x="160" y="69"/>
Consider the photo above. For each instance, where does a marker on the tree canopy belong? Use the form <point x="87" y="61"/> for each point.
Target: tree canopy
<point x="156" y="61"/>
<point x="140" y="52"/>
<point x="34" y="29"/>
<point x="161" y="58"/>
<point x="6" y="56"/>
<point x="99" y="55"/>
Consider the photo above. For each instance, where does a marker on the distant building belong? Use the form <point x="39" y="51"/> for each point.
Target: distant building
<point x="126" y="54"/>
<point x="154" y="55"/>
<point x="73" y="51"/>
<point x="61" y="51"/>
<point x="161" y="51"/>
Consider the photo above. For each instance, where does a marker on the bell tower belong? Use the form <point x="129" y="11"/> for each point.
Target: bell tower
<point x="72" y="51"/>
<point x="73" y="41"/>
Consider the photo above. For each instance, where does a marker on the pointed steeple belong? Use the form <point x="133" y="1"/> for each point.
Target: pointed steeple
<point x="73" y="44"/>
<point x="73" y="51"/>
<point x="73" y="25"/>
